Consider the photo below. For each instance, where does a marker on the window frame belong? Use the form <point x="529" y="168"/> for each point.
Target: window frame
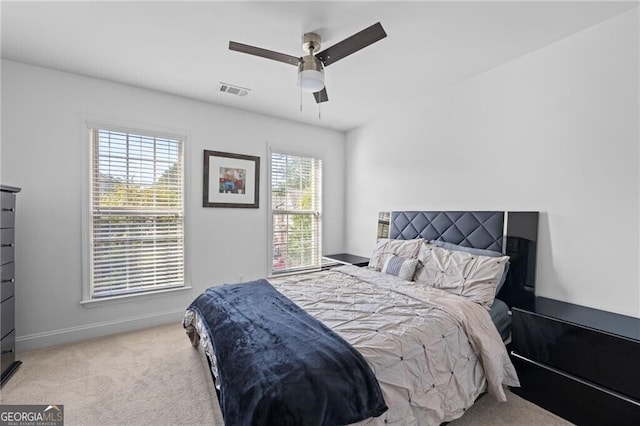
<point x="270" y="213"/>
<point x="87" y="231"/>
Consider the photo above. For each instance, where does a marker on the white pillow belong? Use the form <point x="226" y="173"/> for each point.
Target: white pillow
<point x="472" y="276"/>
<point x="401" y="267"/>
<point x="386" y="247"/>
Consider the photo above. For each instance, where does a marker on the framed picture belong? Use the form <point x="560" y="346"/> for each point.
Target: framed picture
<point x="231" y="180"/>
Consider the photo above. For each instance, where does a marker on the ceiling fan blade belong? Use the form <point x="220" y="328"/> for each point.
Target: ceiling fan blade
<point x="352" y="44"/>
<point x="269" y="54"/>
<point x="321" y="96"/>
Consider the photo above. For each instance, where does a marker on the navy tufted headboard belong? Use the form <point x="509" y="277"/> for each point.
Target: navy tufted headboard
<point x="478" y="229"/>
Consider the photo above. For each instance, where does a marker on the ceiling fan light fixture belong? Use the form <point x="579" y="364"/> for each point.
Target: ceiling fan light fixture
<point x="311" y="81"/>
<point x="310" y="74"/>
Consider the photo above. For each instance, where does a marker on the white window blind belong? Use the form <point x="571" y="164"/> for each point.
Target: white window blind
<point x="137" y="213"/>
<point x="296" y="194"/>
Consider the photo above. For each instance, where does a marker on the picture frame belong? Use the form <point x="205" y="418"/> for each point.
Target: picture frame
<point x="231" y="180"/>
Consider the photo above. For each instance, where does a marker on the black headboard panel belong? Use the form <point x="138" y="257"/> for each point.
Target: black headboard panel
<point x="478" y="229"/>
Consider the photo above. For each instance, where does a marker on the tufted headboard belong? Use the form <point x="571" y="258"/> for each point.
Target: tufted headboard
<point x="477" y="229"/>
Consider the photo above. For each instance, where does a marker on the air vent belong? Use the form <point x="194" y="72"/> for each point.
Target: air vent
<point x="234" y="90"/>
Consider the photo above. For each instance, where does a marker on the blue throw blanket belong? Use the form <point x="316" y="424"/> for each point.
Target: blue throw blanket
<point x="280" y="366"/>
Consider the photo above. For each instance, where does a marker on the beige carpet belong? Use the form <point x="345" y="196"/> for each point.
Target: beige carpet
<point x="155" y="377"/>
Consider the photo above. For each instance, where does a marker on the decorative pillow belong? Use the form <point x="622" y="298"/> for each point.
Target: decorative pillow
<point x="386" y="247"/>
<point x="400" y="267"/>
<point x="472" y="276"/>
<point x="481" y="252"/>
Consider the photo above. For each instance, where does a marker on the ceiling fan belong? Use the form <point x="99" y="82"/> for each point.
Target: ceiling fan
<point x="311" y="66"/>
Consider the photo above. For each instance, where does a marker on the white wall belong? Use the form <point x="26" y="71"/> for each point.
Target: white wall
<point x="43" y="115"/>
<point x="555" y="131"/>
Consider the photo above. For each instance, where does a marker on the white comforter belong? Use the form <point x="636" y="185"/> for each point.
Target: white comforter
<point x="433" y="352"/>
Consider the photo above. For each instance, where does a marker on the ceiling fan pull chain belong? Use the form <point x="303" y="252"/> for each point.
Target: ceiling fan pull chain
<point x="319" y="117"/>
<point x="300" y="100"/>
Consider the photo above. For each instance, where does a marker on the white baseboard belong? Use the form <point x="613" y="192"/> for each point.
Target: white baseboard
<point x="105" y="328"/>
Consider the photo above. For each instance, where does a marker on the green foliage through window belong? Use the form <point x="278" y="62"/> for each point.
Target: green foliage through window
<point x="296" y="212"/>
<point x="137" y="240"/>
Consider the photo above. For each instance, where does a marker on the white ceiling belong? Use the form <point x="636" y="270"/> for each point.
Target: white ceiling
<point x="181" y="48"/>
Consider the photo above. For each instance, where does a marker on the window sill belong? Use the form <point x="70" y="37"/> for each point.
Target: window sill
<point x="93" y="303"/>
<point x="298" y="272"/>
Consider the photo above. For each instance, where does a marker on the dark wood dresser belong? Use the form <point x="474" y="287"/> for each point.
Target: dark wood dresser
<point x="8" y="363"/>
<point x="580" y="363"/>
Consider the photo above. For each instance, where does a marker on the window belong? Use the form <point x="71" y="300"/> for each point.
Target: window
<point x="296" y="184"/>
<point x="136" y="214"/>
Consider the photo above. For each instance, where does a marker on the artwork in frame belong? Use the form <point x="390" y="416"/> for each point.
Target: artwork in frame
<point x="231" y="180"/>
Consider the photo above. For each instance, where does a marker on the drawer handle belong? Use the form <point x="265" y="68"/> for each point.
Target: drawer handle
<point x="7" y="352"/>
<point x="7" y="245"/>
<point x="12" y="280"/>
<point x="8" y="210"/>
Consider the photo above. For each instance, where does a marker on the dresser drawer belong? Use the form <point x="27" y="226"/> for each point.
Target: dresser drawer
<point x="7" y="239"/>
<point x="8" y="282"/>
<point x="605" y="359"/>
<point x="572" y="399"/>
<point x="8" y="350"/>
<point x="7" y="315"/>
<point x="7" y="207"/>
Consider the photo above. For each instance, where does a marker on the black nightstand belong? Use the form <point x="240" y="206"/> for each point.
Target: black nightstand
<point x="348" y="259"/>
<point x="577" y="362"/>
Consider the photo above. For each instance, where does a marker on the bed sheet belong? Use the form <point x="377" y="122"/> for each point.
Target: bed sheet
<point x="501" y="318"/>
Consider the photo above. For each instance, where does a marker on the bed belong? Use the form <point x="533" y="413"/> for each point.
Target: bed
<point x="401" y="341"/>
